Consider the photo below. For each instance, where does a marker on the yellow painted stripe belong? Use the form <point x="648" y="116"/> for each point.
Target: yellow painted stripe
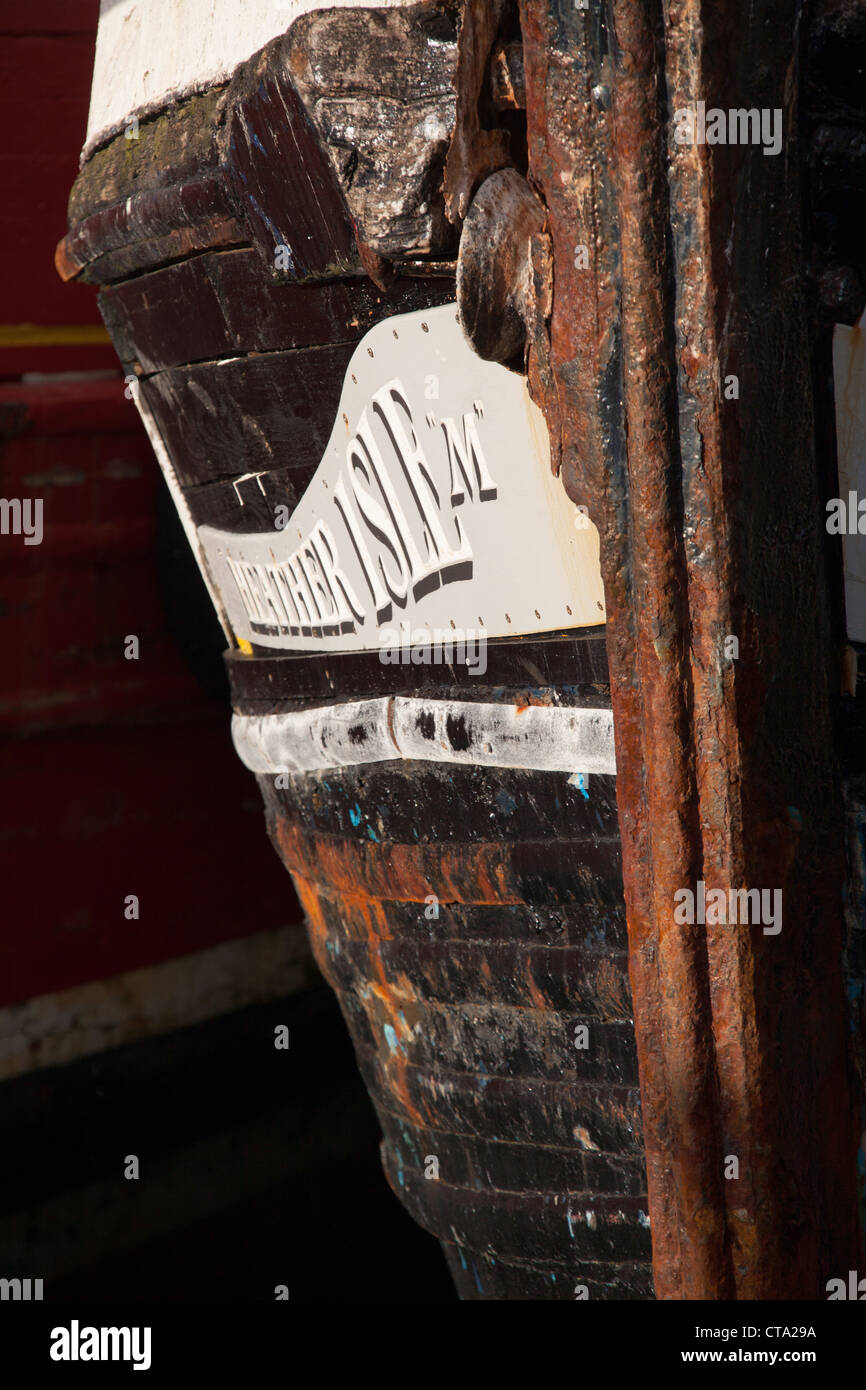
<point x="52" y="334"/>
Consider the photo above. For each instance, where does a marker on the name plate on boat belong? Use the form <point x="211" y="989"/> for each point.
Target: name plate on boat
<point x="433" y="509"/>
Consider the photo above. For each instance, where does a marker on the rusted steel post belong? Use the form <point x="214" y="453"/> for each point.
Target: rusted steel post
<point x="676" y="385"/>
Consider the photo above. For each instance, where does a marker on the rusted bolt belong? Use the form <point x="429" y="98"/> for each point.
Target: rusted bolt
<point x="496" y="296"/>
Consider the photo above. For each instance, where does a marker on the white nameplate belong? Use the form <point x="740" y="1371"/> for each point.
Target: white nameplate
<point x="433" y="509"/>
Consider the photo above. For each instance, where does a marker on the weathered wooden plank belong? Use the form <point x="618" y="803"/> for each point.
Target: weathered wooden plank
<point x="222" y="303"/>
<point x="249" y="414"/>
<point x="379" y="85"/>
<point x="600" y="1118"/>
<point x="591" y="983"/>
<point x="535" y="872"/>
<point x="518" y="923"/>
<point x="244" y="504"/>
<point x="558" y="925"/>
<point x="528" y="1224"/>
<point x="476" y="1162"/>
<point x="279" y="173"/>
<point x="168" y="151"/>
<point x="576" y="663"/>
<point x="149" y="228"/>
<point x="495" y="1040"/>
<point x="479" y="1276"/>
<point x="433" y="804"/>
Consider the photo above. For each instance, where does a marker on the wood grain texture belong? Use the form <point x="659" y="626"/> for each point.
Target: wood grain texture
<point x="464" y="1022"/>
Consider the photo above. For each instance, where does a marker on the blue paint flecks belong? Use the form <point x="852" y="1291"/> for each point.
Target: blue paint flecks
<point x="476" y="1278"/>
<point x="580" y="780"/>
<point x="391" y="1037"/>
<point x="371" y="832"/>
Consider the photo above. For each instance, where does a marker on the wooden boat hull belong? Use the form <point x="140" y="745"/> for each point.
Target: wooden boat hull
<point x="238" y="300"/>
<point x="470" y="920"/>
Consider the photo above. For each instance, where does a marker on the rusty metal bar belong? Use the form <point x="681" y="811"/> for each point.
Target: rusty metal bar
<point x="708" y="513"/>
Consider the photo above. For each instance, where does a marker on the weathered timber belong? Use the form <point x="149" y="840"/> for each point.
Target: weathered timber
<point x="178" y="147"/>
<point x="379" y="87"/>
<point x="244" y="505"/>
<point x="464" y="1020"/>
<point x="248" y="414"/>
<point x="475" y="152"/>
<point x="225" y="303"/>
<point x="151" y="228"/>
<point x="495" y="282"/>
<point x="356" y="104"/>
<point x="440" y="792"/>
<point x="708" y="517"/>
<point x="571" y="662"/>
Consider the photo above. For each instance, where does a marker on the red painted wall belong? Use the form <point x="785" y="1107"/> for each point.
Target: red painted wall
<point x="116" y="776"/>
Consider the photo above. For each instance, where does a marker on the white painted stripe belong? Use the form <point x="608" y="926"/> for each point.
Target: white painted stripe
<point x="150" y="51"/>
<point x="541" y="737"/>
<point x="53" y="1029"/>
